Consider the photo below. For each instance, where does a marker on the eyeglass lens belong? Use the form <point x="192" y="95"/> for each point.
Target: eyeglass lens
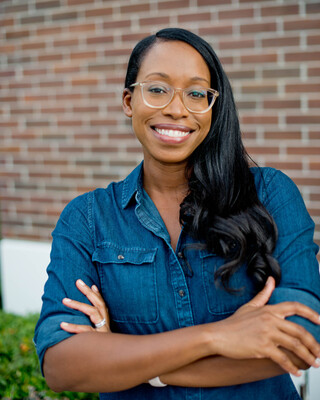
<point x="195" y="98"/>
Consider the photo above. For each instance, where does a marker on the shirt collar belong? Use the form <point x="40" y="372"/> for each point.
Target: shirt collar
<point x="132" y="184"/>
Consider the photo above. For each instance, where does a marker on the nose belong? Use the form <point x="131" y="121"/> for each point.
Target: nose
<point x="176" y="108"/>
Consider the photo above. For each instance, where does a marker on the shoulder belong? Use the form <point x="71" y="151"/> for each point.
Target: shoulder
<point x="273" y="185"/>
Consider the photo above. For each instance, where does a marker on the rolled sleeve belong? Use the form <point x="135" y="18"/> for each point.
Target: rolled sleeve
<point x="295" y="250"/>
<point x="71" y="259"/>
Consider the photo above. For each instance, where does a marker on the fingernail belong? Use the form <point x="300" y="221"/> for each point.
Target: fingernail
<point x="299" y="373"/>
<point x="94" y="287"/>
<point x="64" y="324"/>
<point x="268" y="280"/>
<point x="66" y="300"/>
<point x="81" y="282"/>
<point x="317" y="363"/>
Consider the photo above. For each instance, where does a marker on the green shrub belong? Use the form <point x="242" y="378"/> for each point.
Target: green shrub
<point x="20" y="376"/>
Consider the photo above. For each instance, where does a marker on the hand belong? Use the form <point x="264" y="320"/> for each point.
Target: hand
<point x="257" y="330"/>
<point x="97" y="311"/>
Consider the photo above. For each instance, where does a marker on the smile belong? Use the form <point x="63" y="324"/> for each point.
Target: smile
<point x="171" y="132"/>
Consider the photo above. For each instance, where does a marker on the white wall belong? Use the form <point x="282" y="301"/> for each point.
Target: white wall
<point x="23" y="266"/>
<point x="23" y="274"/>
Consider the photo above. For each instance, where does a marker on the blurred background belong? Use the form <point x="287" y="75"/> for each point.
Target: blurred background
<point x="63" y="132"/>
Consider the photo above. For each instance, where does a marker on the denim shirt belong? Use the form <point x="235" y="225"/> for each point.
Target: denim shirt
<point x="116" y="239"/>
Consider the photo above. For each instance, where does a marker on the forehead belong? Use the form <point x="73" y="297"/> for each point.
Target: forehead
<point x="176" y="59"/>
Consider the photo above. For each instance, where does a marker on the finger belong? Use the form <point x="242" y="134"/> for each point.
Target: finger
<point x="299" y="333"/>
<point x="289" y="308"/>
<point x="297" y="347"/>
<point x="104" y="309"/>
<point x="92" y="312"/>
<point x="75" y="328"/>
<point x="284" y="362"/>
<point x="94" y="296"/>
<point x="264" y="295"/>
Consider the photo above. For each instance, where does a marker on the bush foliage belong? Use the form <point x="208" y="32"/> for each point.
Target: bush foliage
<point x="20" y="376"/>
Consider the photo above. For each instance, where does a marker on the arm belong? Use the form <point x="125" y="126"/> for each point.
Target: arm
<point x="174" y="347"/>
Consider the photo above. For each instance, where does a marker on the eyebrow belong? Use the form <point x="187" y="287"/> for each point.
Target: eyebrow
<point x="163" y="75"/>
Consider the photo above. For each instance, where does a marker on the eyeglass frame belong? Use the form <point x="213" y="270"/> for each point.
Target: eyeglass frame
<point x="175" y="90"/>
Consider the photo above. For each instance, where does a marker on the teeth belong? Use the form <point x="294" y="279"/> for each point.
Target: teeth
<point x="171" y="132"/>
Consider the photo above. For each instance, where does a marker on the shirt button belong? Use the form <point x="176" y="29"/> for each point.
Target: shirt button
<point x="180" y="255"/>
<point x="120" y="257"/>
<point x="181" y="293"/>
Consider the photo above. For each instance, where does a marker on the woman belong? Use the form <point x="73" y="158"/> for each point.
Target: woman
<point x="184" y="252"/>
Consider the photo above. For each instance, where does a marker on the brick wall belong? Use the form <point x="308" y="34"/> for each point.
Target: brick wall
<point x="62" y="66"/>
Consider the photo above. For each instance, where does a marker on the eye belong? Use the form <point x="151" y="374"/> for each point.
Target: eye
<point x="156" y="88"/>
<point x="197" y="94"/>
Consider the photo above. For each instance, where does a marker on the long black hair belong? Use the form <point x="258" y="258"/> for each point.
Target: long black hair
<point x="222" y="207"/>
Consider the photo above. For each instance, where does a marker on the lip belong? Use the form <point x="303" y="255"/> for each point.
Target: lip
<point x="170" y="139"/>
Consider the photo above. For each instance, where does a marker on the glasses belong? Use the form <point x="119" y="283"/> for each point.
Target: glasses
<point x="196" y="99"/>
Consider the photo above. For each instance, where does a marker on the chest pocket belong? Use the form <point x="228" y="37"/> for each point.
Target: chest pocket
<point x="219" y="301"/>
<point x="128" y="282"/>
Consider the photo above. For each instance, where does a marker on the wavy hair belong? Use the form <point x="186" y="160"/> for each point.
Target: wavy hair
<point x="222" y="207"/>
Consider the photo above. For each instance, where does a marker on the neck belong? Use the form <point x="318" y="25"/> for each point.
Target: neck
<point x="166" y="179"/>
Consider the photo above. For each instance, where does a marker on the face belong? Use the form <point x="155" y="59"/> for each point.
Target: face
<point x="171" y="134"/>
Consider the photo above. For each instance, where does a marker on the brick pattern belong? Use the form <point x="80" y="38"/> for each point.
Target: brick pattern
<point x="62" y="66"/>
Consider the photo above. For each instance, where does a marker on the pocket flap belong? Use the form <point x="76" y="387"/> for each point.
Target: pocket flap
<point x="111" y="253"/>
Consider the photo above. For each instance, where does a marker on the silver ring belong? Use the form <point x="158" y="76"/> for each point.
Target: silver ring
<point x="100" y="324"/>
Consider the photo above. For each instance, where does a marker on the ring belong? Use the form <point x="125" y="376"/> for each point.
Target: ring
<point x="100" y="324"/>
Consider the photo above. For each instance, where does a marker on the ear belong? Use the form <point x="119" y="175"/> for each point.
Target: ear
<point x="126" y="102"/>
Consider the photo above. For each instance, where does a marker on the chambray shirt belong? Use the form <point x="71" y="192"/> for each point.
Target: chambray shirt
<point x="116" y="239"/>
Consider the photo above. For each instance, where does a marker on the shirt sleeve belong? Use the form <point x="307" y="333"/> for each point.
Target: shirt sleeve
<point x="295" y="250"/>
<point x="70" y="259"/>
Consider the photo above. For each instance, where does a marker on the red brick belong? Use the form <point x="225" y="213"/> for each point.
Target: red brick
<point x="314" y="71"/>
<point x="86" y="81"/>
<point x="7" y="49"/>
<point x="281" y="73"/>
<point x="17" y="8"/>
<point x="302" y="88"/>
<point x="283" y="135"/>
<point x="117" y="24"/>
<point x="259" y="119"/>
<point x="283" y="165"/>
<point x="81" y="27"/>
<point x="188" y="18"/>
<point x="315" y="196"/>
<point x="281" y="42"/>
<point x="262" y="150"/>
<point x="20" y="85"/>
<point x="313" y="40"/>
<point x="216" y="30"/>
<point x="103" y="122"/>
<point x="100" y="39"/>
<point x="66" y="69"/>
<point x="313" y="8"/>
<point x="85" y="109"/>
<point x="135" y="37"/>
<point x="33" y="46"/>
<point x="7" y="73"/>
<point x="51" y="57"/>
<point x="54" y="83"/>
<point x="47" y="4"/>
<point x="301" y="24"/>
<point x="65" y="43"/>
<point x="117" y="52"/>
<point x="37" y="123"/>
<point x="8" y="124"/>
<point x="72" y="122"/>
<point x="303" y="56"/>
<point x="77" y="2"/>
<point x="48" y="31"/>
<point x="310" y="181"/>
<point x="259" y="27"/>
<point x="276" y="104"/>
<point x="135" y="8"/>
<point x="212" y="2"/>
<point x="307" y="150"/>
<point x="259" y="88"/>
<point x="241" y="74"/>
<point x="32" y="20"/>
<point x="303" y="119"/>
<point x="314" y="104"/>
<point x="6" y="22"/>
<point x="314" y="166"/>
<point x="17" y="34"/>
<point x="236" y="14"/>
<point x="259" y="58"/>
<point x="280" y="10"/>
<point x="64" y="16"/>
<point x="237" y="44"/>
<point x="99" y="12"/>
<point x="83" y="55"/>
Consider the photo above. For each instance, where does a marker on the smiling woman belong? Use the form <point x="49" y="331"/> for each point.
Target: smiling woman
<point x="191" y="278"/>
